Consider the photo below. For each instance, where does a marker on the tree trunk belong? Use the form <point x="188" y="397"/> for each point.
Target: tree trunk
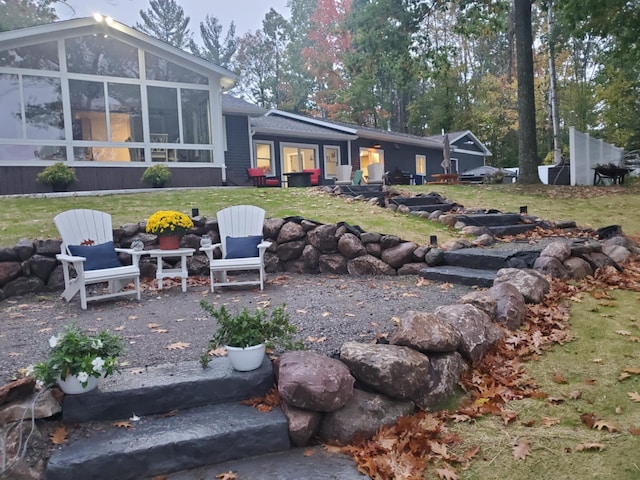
<point x="553" y="88"/>
<point x="528" y="155"/>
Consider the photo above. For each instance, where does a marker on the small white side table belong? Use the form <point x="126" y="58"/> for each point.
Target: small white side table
<point x="181" y="272"/>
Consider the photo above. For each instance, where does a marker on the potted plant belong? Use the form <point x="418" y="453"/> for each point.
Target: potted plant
<point x="77" y="359"/>
<point x="247" y="334"/>
<point x="157" y="175"/>
<point x="169" y="226"/>
<point x="58" y="175"/>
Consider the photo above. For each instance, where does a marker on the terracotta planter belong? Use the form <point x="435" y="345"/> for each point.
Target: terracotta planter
<point x="72" y="386"/>
<point x="246" y="359"/>
<point x="169" y="242"/>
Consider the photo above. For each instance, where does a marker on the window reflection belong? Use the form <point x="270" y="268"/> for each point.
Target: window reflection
<point x="43" y="107"/>
<point x="10" y="115"/>
<point x="125" y="113"/>
<point x="195" y="116"/>
<point x="99" y="55"/>
<point x="31" y="152"/>
<point x="43" y="56"/>
<point x="163" y="114"/>
<point x="160" y="69"/>
<point x="88" y="110"/>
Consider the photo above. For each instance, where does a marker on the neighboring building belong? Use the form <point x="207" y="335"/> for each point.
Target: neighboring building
<point x="110" y="101"/>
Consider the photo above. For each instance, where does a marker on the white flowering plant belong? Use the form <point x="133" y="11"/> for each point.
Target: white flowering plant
<point x="75" y="352"/>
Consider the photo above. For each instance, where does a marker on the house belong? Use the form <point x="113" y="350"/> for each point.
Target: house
<point x="110" y="101"/>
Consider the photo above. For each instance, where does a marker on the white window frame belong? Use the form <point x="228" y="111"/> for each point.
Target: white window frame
<point x="421" y="164"/>
<point x="326" y="149"/>
<point x="299" y="146"/>
<point x="272" y="160"/>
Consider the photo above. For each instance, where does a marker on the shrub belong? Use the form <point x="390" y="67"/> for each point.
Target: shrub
<point x="157" y="175"/>
<point x="58" y="175"/>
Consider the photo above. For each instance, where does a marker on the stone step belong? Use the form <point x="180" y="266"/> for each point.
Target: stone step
<point x="162" y="388"/>
<point x="459" y="275"/>
<point x="505" y="230"/>
<point x="445" y="207"/>
<point x="157" y="445"/>
<point x="489" y="259"/>
<point x="490" y="219"/>
<point x="418" y="200"/>
<point x="367" y="191"/>
<point x="313" y="463"/>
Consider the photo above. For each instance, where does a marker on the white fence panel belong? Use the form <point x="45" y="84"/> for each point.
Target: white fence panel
<point x="586" y="152"/>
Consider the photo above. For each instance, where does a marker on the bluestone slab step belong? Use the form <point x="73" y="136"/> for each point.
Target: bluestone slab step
<point x="159" y="445"/>
<point x="487" y="259"/>
<point x="459" y="275"/>
<point x="445" y="207"/>
<point x="418" y="200"/>
<point x="504" y="230"/>
<point x="295" y="464"/>
<point x="167" y="387"/>
<point x="490" y="219"/>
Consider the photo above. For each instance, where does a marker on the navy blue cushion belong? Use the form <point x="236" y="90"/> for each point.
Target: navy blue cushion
<point x="243" y="247"/>
<point x="98" y="256"/>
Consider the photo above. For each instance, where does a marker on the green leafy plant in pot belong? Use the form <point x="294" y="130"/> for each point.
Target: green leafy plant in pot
<point x="83" y="357"/>
<point x="157" y="175"/>
<point x="248" y="334"/>
<point x="58" y="175"/>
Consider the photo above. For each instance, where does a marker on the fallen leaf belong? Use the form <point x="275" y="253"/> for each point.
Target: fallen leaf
<point x="619" y="410"/>
<point x="178" y="346"/>
<point x="135" y="418"/>
<point x="161" y="330"/>
<point x="508" y="416"/>
<point x="597" y="360"/>
<point x="602" y="424"/>
<point x="349" y="315"/>
<point x="589" y="446"/>
<point x="439" y="449"/>
<point x="447" y="473"/>
<point x="133" y="317"/>
<point x="472" y="452"/>
<point x="623" y="376"/>
<point x="309" y="452"/>
<point x="549" y="421"/>
<point x="623" y="332"/>
<point x="122" y="424"/>
<point x="555" y="400"/>
<point x="559" y="378"/>
<point x="635" y="371"/>
<point x="119" y="329"/>
<point x="575" y="394"/>
<point x="521" y="450"/>
<point x="301" y="311"/>
<point x="152" y="325"/>
<point x="218" y="352"/>
<point x="633" y="430"/>
<point x="634" y="396"/>
<point x="170" y="413"/>
<point x="325" y="314"/>
<point x="59" y="435"/>
<point x="227" y="476"/>
<point x="589" y="419"/>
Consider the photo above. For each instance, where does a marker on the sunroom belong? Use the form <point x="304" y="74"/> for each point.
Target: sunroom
<point x="109" y="101"/>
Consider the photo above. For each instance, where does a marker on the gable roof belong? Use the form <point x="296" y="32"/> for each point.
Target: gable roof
<point x="359" y="131"/>
<point x="457" y="136"/>
<point x="277" y="125"/>
<point x="231" y="104"/>
<point x="89" y="25"/>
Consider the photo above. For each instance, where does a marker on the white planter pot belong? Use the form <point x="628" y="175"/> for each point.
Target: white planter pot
<point x="246" y="359"/>
<point x="71" y="385"/>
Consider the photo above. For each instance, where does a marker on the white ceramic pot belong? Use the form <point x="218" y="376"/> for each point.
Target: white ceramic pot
<point x="246" y="359"/>
<point x="71" y="385"/>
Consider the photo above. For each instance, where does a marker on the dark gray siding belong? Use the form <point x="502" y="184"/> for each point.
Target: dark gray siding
<point x="238" y="154"/>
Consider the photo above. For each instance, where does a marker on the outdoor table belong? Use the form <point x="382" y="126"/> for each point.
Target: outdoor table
<point x="298" y="179"/>
<point x="451" y="178"/>
<point x="181" y="272"/>
<point x="615" y="174"/>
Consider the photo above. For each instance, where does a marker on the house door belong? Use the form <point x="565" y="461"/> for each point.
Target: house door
<point x="369" y="156"/>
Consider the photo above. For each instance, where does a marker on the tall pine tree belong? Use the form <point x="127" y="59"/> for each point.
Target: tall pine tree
<point x="166" y="21"/>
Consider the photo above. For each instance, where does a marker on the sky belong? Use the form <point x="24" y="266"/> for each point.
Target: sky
<point x="246" y="14"/>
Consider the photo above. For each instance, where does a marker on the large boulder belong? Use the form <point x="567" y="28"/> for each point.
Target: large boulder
<point x="481" y="299"/>
<point x="290" y="250"/>
<point x="23" y="286"/>
<point x="530" y="283"/>
<point x="303" y="424"/>
<point x="24" y="248"/>
<point x="559" y="250"/>
<point x="46" y="405"/>
<point x="550" y="266"/>
<point x="350" y="246"/>
<point x="425" y="332"/>
<point x="41" y="266"/>
<point x="446" y="370"/>
<point x="617" y="253"/>
<point x="477" y="331"/>
<point x="291" y="231"/>
<point x="369" y="265"/>
<point x="398" y="372"/>
<point x="271" y="227"/>
<point x="577" y="267"/>
<point x="361" y="417"/>
<point x="9" y="271"/>
<point x="332" y="263"/>
<point x="324" y="238"/>
<point x="312" y="381"/>
<point x="49" y="247"/>
<point x="18" y="389"/>
<point x="399" y="255"/>
<point x="511" y="309"/>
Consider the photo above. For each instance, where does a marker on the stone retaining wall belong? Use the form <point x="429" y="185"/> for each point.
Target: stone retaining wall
<point x="298" y="246"/>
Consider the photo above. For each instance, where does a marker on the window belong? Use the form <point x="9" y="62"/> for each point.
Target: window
<point x="195" y="116"/>
<point x="369" y="156"/>
<point x="96" y="55"/>
<point x="264" y="157"/>
<point x="421" y="164"/>
<point x="160" y="69"/>
<point x="43" y="56"/>
<point x="331" y="161"/>
<point x="295" y="158"/>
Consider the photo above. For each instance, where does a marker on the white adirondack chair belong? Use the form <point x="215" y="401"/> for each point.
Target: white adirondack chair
<point x="343" y="175"/>
<point x="91" y="227"/>
<point x="376" y="171"/>
<point x="238" y="222"/>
